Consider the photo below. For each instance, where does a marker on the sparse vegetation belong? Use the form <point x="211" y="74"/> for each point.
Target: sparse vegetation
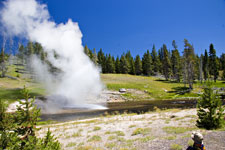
<point x="176" y="147"/>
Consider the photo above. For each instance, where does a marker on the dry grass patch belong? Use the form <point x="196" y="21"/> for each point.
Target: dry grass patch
<point x="177" y="130"/>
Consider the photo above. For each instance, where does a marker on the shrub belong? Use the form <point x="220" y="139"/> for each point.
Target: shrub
<point x="210" y="109"/>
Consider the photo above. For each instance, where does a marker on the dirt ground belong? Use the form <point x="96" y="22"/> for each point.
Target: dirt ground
<point x="164" y="130"/>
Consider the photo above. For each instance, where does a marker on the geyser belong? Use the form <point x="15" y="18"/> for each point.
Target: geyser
<point x="79" y="79"/>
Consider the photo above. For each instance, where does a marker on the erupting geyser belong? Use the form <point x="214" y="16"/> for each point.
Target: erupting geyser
<point x="79" y="78"/>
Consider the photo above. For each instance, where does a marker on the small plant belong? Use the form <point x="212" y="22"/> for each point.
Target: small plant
<point x="112" y="137"/>
<point x="71" y="144"/>
<point x="97" y="128"/>
<point x="95" y="138"/>
<point x="142" y="131"/>
<point x="176" y="130"/>
<point x="210" y="110"/>
<point x="176" y="147"/>
<point x="119" y="133"/>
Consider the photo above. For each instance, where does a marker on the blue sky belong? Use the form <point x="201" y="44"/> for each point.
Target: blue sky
<point x="120" y="25"/>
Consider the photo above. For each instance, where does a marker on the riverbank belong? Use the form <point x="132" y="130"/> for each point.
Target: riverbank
<point x="167" y="129"/>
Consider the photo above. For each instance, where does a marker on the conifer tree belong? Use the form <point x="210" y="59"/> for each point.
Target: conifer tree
<point x="189" y="63"/>
<point x="147" y="63"/>
<point x="17" y="131"/>
<point x="213" y="63"/>
<point x="110" y="68"/>
<point x="210" y="110"/>
<point x="222" y="61"/>
<point x="160" y="56"/>
<point x="206" y="65"/>
<point x="117" y="65"/>
<point x="176" y="63"/>
<point x="30" y="48"/>
<point x="201" y="68"/>
<point x="3" y="59"/>
<point x="166" y="64"/>
<point x="102" y="60"/>
<point x="94" y="57"/>
<point x="155" y="61"/>
<point x="129" y="58"/>
<point x="138" y="65"/>
<point x="86" y="50"/>
<point x="132" y="66"/>
<point x="124" y="66"/>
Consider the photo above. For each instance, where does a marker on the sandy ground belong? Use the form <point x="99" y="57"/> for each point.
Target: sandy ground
<point x="164" y="130"/>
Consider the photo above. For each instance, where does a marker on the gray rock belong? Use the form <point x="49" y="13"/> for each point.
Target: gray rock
<point x="122" y="90"/>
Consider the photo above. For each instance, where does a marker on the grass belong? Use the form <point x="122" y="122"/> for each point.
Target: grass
<point x="153" y="87"/>
<point x="176" y="147"/>
<point x="71" y="144"/>
<point x="142" y="131"/>
<point x="146" y="139"/>
<point x="176" y="130"/>
<point x="95" y="138"/>
<point x="96" y="128"/>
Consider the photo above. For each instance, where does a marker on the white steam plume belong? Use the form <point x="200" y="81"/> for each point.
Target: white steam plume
<point x="79" y="77"/>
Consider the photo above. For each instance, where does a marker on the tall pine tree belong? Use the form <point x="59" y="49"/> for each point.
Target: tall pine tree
<point x="176" y="63"/>
<point x="206" y="65"/>
<point x="189" y="63"/>
<point x="147" y="63"/>
<point x="155" y="61"/>
<point x="138" y="65"/>
<point x="166" y="64"/>
<point x="213" y="63"/>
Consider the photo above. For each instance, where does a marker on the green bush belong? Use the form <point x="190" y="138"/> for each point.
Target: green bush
<point x="210" y="109"/>
<point x="17" y="131"/>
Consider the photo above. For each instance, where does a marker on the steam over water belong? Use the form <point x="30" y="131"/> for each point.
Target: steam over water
<point x="79" y="78"/>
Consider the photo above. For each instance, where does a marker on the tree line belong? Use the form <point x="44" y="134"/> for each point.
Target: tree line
<point x="186" y="67"/>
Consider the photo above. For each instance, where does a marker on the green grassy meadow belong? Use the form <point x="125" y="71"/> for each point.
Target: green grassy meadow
<point x="155" y="88"/>
<point x="145" y="88"/>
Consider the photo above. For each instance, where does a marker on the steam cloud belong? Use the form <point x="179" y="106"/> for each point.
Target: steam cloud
<point x="79" y="77"/>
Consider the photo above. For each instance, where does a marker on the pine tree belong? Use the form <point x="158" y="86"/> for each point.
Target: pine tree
<point x="17" y="131"/>
<point x="147" y="63"/>
<point x="176" y="63"/>
<point x="30" y="48"/>
<point x="94" y="57"/>
<point x="124" y="66"/>
<point x="86" y="50"/>
<point x="210" y="110"/>
<point x="222" y="61"/>
<point x="102" y="60"/>
<point x="132" y="66"/>
<point x="3" y="59"/>
<point x="189" y="63"/>
<point x="206" y="65"/>
<point x="201" y="68"/>
<point x="213" y="63"/>
<point x="117" y="65"/>
<point x="155" y="61"/>
<point x="110" y="68"/>
<point x="166" y="64"/>
<point x="138" y="65"/>
<point x="129" y="58"/>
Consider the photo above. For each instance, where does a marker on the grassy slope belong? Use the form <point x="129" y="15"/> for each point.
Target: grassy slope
<point x="153" y="87"/>
<point x="156" y="88"/>
<point x="10" y="89"/>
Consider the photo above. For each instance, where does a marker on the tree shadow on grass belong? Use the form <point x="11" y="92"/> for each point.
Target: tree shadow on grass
<point x="14" y="94"/>
<point x="180" y="90"/>
<point x="167" y="81"/>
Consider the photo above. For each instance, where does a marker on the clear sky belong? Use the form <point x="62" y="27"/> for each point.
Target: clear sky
<point x="120" y="25"/>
